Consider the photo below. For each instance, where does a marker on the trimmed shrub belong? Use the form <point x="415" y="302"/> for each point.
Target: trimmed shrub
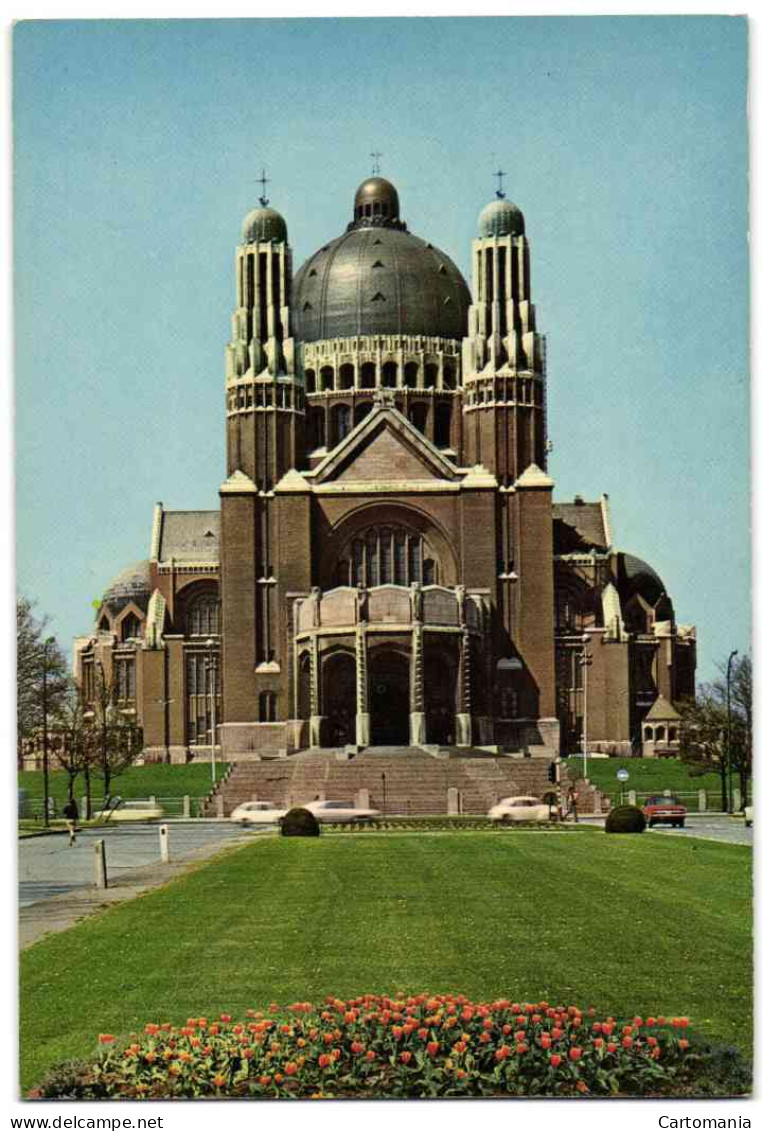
<point x="626" y="819"/>
<point x="299" y="822"/>
<point x="380" y="1046"/>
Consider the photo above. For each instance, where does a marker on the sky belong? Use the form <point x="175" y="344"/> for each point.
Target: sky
<point x="137" y="146"/>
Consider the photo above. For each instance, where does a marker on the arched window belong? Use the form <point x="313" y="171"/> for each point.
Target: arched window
<point x="124" y="679"/>
<point x="672" y="734"/>
<point x="342" y="422"/>
<point x="442" y="426"/>
<point x="387" y="555"/>
<point x="326" y="377"/>
<point x="660" y="734"/>
<point x="410" y="374"/>
<point x="389" y="374"/>
<point x="449" y="380"/>
<point x="417" y="414"/>
<point x="648" y="734"/>
<point x="130" y="627"/>
<point x="430" y="376"/>
<point x="316" y="438"/>
<point x="368" y="375"/>
<point x="346" y="376"/>
<point x="268" y="707"/>
<point x="362" y="410"/>
<point x="203" y="617"/>
<point x="309" y="380"/>
<point x="104" y="625"/>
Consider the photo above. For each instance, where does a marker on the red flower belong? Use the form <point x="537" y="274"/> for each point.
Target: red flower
<point x="291" y="1069"/>
<point x="607" y="1029"/>
<point x="627" y="1042"/>
<point x="522" y="1048"/>
<point x="683" y="1044"/>
<point x="265" y="1080"/>
<point x="406" y="1056"/>
<point x="432" y="1048"/>
<point x="650" y="1022"/>
<point x="575" y="1053"/>
<point x="555" y="1060"/>
<point x="545" y="1041"/>
<point x="370" y="1055"/>
<point x="106" y="1038"/>
<point x="325" y="1060"/>
<point x="598" y="1042"/>
<point x="224" y="1017"/>
<point x="637" y="1021"/>
<point x="656" y="1052"/>
<point x="611" y="1047"/>
<point x="651" y="1041"/>
<point x="357" y="1046"/>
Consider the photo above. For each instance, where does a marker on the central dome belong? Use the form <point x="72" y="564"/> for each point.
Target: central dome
<point x="377" y="278"/>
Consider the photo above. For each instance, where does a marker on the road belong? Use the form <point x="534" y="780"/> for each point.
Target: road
<point x="730" y="830"/>
<point x="49" y="868"/>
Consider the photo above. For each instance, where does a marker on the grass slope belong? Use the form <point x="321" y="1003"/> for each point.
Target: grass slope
<point x="628" y="924"/>
<point x="647" y="775"/>
<point x="194" y="779"/>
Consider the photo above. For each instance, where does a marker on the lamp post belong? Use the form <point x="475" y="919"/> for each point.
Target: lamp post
<point x="585" y="660"/>
<point x="728" y="748"/>
<point x="211" y="662"/>
<point x="45" y="777"/>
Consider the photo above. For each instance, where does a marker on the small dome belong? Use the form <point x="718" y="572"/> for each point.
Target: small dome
<point x="264" y="225"/>
<point x="501" y="218"/>
<point x="377" y="197"/>
<point x="133" y="583"/>
<point x="637" y="576"/>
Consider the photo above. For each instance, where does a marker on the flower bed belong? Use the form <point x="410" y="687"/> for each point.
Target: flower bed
<point x="454" y="824"/>
<point x="375" y="1046"/>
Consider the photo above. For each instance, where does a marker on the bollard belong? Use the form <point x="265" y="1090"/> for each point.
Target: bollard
<point x="220" y="805"/>
<point x="632" y="797"/>
<point x="453" y="802"/>
<point x="101" y="876"/>
<point x="702" y="800"/>
<point x="152" y="802"/>
<point x="362" y="799"/>
<point x="186" y="806"/>
<point x="667" y="792"/>
<point x="597" y="809"/>
<point x="736" y="800"/>
<point x="164" y="843"/>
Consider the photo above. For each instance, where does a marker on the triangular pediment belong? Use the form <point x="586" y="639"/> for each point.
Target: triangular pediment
<point x="384" y="447"/>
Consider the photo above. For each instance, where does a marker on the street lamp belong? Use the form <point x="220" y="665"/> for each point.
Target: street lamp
<point x="585" y="660"/>
<point x="45" y="778"/>
<point x="211" y="662"/>
<point x="729" y="756"/>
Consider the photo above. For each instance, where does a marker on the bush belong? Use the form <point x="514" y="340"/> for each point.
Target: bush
<point x="626" y="819"/>
<point x="299" y="822"/>
<point x="376" y="1046"/>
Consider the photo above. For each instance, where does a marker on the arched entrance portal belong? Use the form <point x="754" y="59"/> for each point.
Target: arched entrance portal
<point x="389" y="694"/>
<point x="339" y="699"/>
<point x="439" y="680"/>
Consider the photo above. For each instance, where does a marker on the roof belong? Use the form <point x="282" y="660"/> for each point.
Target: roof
<point x="131" y="585"/>
<point x="190" y="536"/>
<point x="637" y="576"/>
<point x="579" y="525"/>
<point x="662" y="710"/>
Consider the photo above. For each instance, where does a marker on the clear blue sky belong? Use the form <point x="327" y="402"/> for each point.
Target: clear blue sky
<point x="137" y="145"/>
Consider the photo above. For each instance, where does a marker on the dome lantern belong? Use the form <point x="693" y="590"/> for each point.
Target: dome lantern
<point x="501" y="218"/>
<point x="264" y="225"/>
<point x="376" y="202"/>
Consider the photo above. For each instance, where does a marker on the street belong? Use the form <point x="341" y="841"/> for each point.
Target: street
<point x="48" y="867"/>
<point x="730" y="830"/>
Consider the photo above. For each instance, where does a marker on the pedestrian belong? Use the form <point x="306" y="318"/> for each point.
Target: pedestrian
<point x="572" y="800"/>
<point x="71" y="813"/>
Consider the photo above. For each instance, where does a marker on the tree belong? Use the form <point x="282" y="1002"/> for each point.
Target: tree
<point x="42" y="677"/>
<point x="706" y="742"/>
<point x="76" y="749"/>
<point x="112" y="737"/>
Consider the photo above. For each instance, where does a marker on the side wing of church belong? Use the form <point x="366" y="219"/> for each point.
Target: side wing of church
<point x="387" y="567"/>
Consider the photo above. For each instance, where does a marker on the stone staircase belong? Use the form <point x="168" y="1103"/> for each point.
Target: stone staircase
<point x="404" y="781"/>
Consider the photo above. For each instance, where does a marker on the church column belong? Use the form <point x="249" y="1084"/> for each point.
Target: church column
<point x="362" y="718"/>
<point x="417" y="704"/>
<point x="316" y="719"/>
<point x="463" y="726"/>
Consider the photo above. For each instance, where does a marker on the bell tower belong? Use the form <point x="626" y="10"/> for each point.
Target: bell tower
<point x="265" y="403"/>
<point x="503" y="355"/>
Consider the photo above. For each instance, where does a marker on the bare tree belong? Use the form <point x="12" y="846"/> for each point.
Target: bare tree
<point x="112" y="737"/>
<point x="42" y="677"/>
<point x="707" y="743"/>
<point x="75" y="751"/>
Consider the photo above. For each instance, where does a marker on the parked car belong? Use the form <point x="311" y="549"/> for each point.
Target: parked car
<point x="526" y="808"/>
<point x="665" y="811"/>
<point x="138" y="810"/>
<point x="748" y="816"/>
<point x="340" y="812"/>
<point x="257" y="813"/>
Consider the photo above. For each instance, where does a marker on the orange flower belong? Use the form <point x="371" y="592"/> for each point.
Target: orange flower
<point x="575" y="1053"/>
<point x="291" y="1069"/>
<point x="582" y="1086"/>
<point x="265" y="1080"/>
<point x="522" y="1048"/>
<point x="432" y="1048"/>
<point x="357" y="1046"/>
<point x="611" y="1047"/>
<point x="656" y="1052"/>
<point x="325" y="1060"/>
<point x="503" y="1052"/>
<point x="278" y="1077"/>
<point x="683" y="1044"/>
<point x="106" y="1038"/>
<point x="406" y="1056"/>
<point x="370" y="1055"/>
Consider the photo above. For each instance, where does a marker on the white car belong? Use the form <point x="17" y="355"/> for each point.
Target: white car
<point x="257" y="813"/>
<point x="525" y="808"/>
<point x="340" y="812"/>
<point x="748" y="816"/>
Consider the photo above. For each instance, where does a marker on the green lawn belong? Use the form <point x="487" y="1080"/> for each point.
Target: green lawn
<point x="194" y="779"/>
<point x="629" y="924"/>
<point x="647" y="775"/>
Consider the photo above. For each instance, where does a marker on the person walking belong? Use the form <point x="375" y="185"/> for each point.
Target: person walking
<point x="572" y="799"/>
<point x="71" y="813"/>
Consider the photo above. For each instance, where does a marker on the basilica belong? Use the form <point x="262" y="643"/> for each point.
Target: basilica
<point x="388" y="566"/>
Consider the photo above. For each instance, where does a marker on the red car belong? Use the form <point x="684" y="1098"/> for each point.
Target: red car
<point x="665" y="811"/>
